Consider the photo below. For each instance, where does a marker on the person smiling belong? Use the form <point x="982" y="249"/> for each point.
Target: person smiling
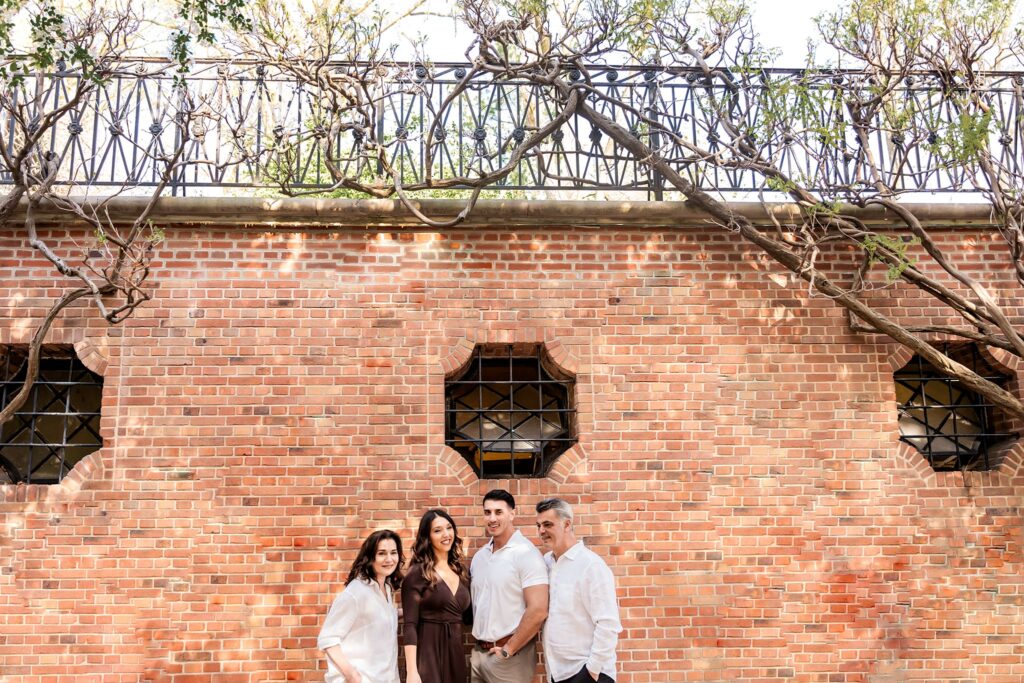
<point x="583" y="625"/>
<point x="359" y="635"/>
<point x="510" y="598"/>
<point x="435" y="603"/>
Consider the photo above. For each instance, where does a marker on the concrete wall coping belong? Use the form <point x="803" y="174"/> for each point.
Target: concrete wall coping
<point x="269" y="213"/>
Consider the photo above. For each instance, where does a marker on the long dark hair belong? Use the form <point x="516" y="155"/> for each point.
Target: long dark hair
<point x="362" y="567"/>
<point x="423" y="551"/>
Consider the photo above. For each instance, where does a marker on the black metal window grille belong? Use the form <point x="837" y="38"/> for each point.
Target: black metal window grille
<point x="954" y="427"/>
<point x="57" y="426"/>
<point x="508" y="413"/>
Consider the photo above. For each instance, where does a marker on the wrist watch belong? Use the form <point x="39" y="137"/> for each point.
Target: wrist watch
<point x="505" y="654"/>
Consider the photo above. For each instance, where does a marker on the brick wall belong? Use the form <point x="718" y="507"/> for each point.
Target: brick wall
<point x="738" y="463"/>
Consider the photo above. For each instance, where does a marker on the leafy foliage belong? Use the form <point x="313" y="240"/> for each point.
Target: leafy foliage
<point x="900" y="253"/>
<point x="199" y="19"/>
<point x="50" y="44"/>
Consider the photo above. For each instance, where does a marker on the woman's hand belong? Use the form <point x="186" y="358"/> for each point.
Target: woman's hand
<point x="341" y="662"/>
<point x="412" y="672"/>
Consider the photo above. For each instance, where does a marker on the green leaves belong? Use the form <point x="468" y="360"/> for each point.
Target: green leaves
<point x="888" y="31"/>
<point x="727" y="12"/>
<point x="966" y="139"/>
<point x="199" y="18"/>
<point x="9" y="66"/>
<point x="788" y="105"/>
<point x="635" y="34"/>
<point x="8" y="8"/>
<point x="47" y="36"/>
<point x="779" y="184"/>
<point x="898" y="258"/>
<point x="50" y="44"/>
<point x="156" y="233"/>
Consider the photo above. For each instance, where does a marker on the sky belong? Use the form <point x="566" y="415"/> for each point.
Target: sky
<point x="783" y="25"/>
<point x="787" y="30"/>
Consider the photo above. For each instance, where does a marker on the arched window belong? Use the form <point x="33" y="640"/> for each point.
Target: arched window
<point x="510" y="411"/>
<point x="954" y="427"/>
<point x="59" y="423"/>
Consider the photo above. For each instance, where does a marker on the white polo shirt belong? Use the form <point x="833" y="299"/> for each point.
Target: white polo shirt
<point x="498" y="581"/>
<point x="364" y="622"/>
<point x="583" y="617"/>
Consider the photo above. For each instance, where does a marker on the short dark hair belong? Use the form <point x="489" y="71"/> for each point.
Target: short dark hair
<point x="502" y="495"/>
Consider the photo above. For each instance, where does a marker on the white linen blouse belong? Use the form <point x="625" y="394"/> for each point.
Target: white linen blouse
<point x="364" y="622"/>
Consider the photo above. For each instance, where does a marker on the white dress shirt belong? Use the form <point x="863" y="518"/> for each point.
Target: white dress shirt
<point x="364" y="622"/>
<point x="498" y="580"/>
<point x="583" y="617"/>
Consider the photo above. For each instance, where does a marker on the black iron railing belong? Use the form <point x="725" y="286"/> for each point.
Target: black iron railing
<point x="254" y="111"/>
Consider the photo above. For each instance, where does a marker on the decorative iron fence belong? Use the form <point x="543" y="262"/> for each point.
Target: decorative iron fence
<point x="249" y="112"/>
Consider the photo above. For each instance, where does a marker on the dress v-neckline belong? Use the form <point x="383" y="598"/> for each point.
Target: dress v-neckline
<point x="458" y="584"/>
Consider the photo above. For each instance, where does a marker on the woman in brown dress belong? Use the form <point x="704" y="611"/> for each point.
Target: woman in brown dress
<point x="435" y="603"/>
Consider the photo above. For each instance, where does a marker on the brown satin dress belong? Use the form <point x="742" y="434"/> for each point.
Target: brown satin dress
<point x="433" y="623"/>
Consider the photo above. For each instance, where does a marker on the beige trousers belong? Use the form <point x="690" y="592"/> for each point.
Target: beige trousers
<point x="488" y="668"/>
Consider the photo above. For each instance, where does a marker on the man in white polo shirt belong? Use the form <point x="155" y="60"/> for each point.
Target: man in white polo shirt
<point x="583" y="625"/>
<point x="510" y="598"/>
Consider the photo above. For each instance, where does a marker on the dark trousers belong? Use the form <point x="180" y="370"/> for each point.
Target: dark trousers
<point x="584" y="677"/>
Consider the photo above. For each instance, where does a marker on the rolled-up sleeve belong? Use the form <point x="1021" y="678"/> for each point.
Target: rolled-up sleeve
<point x="340" y="619"/>
<point x="604" y="612"/>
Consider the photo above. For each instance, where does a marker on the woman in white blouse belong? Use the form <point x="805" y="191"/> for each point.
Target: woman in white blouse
<point x="360" y="634"/>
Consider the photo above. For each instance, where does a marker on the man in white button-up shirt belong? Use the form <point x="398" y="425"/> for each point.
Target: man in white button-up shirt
<point x="510" y="598"/>
<point x="583" y="616"/>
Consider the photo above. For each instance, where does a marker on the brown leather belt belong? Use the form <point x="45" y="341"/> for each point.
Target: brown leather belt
<point x="488" y="645"/>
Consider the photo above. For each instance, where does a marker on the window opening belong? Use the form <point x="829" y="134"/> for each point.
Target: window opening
<point x="509" y="412"/>
<point x="59" y="423"/>
<point x="952" y="426"/>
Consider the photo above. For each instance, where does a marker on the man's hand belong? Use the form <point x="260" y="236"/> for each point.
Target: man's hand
<point x="536" y="598"/>
<point x="496" y="651"/>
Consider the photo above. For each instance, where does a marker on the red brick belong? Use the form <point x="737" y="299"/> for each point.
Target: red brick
<point x="738" y="466"/>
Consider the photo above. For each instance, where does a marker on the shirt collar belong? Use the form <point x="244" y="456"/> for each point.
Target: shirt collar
<point x="575" y="550"/>
<point x="512" y="538"/>
<point x="375" y="587"/>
